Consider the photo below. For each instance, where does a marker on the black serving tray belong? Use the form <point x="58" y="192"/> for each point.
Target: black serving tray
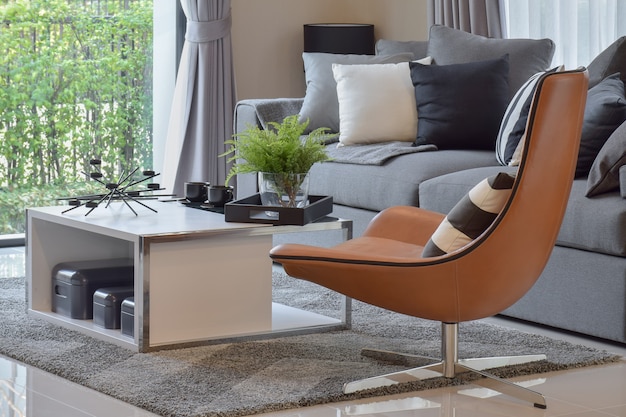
<point x="250" y="210"/>
<point x="203" y="206"/>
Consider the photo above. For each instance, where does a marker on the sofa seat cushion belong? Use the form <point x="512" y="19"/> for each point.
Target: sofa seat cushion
<point x="397" y="182"/>
<point x="595" y="224"/>
<point x="442" y="193"/>
<point x="471" y="216"/>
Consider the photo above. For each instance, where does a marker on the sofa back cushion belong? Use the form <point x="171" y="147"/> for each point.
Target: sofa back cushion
<point x="419" y="49"/>
<point x="527" y="56"/>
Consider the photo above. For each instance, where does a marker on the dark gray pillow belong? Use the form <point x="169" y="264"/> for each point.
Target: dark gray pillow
<point x="604" y="173"/>
<point x="460" y="106"/>
<point x="321" y="105"/>
<point x="526" y="56"/>
<point x="605" y="110"/>
<point x="609" y="61"/>
<point x="389" y="47"/>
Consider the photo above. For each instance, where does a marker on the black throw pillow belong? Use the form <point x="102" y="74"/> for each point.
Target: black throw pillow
<point x="460" y="106"/>
<point x="605" y="111"/>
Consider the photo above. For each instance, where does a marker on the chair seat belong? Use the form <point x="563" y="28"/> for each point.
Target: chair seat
<point x="381" y="248"/>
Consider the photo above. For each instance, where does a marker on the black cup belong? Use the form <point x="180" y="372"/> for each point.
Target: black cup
<point x="196" y="192"/>
<point x="220" y="195"/>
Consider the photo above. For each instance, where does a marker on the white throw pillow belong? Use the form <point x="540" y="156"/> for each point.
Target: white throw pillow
<point x="320" y="106"/>
<point x="376" y="103"/>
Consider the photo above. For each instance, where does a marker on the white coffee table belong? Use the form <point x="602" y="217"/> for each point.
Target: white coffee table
<point x="198" y="279"/>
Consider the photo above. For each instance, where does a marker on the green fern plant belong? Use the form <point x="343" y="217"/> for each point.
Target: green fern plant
<point x="279" y="149"/>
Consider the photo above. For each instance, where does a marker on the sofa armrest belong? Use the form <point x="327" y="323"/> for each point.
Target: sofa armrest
<point x="260" y="112"/>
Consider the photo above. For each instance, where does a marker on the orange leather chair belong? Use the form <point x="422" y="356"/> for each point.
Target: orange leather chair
<point x="384" y="266"/>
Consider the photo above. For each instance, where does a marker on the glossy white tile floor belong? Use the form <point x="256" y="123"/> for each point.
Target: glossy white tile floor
<point x="588" y="392"/>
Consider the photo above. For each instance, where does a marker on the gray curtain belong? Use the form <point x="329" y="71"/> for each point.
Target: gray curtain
<point x="204" y="98"/>
<point x="480" y="17"/>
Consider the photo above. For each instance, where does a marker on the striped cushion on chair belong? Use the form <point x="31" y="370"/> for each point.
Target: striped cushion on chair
<point x="471" y="216"/>
<point x="513" y="127"/>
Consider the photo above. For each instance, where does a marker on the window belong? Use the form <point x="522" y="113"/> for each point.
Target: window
<point x="76" y="83"/>
<point x="581" y="29"/>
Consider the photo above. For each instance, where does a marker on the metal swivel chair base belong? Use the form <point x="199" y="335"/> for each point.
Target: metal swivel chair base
<point x="450" y="366"/>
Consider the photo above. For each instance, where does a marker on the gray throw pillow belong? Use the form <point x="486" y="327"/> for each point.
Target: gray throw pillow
<point x="609" y="61"/>
<point x="321" y="105"/>
<point x="605" y="111"/>
<point x="526" y="56"/>
<point x="604" y="173"/>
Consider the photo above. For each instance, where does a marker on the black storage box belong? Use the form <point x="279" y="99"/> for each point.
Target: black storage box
<point x="74" y="283"/>
<point x="128" y="316"/>
<point x="107" y="305"/>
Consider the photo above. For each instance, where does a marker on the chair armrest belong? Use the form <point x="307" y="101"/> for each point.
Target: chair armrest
<point x="404" y="223"/>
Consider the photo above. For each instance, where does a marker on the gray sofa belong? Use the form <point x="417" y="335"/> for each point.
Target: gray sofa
<point x="583" y="287"/>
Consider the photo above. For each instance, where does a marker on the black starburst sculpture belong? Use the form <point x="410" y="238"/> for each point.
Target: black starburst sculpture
<point x="116" y="191"/>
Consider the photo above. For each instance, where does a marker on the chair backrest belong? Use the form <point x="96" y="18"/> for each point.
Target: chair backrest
<point x="504" y="263"/>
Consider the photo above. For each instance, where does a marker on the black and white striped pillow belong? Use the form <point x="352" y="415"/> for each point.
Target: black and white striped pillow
<point x="471" y="216"/>
<point x="513" y="126"/>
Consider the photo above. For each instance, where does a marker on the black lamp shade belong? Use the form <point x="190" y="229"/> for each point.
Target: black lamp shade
<point x="339" y="38"/>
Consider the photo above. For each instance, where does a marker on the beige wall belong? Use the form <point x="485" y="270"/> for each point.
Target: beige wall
<point x="267" y="36"/>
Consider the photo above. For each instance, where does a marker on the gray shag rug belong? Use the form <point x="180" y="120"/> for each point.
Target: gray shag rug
<point x="267" y="375"/>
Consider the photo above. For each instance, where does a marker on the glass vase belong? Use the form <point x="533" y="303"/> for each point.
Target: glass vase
<point x="284" y="189"/>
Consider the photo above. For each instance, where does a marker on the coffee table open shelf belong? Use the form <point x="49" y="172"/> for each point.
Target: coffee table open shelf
<point x="198" y="279"/>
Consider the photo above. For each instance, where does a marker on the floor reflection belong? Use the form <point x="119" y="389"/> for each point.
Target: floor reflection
<point x="12" y="263"/>
<point x="12" y="389"/>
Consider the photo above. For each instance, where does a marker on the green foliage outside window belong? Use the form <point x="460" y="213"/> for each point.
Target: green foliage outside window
<point x="75" y="83"/>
